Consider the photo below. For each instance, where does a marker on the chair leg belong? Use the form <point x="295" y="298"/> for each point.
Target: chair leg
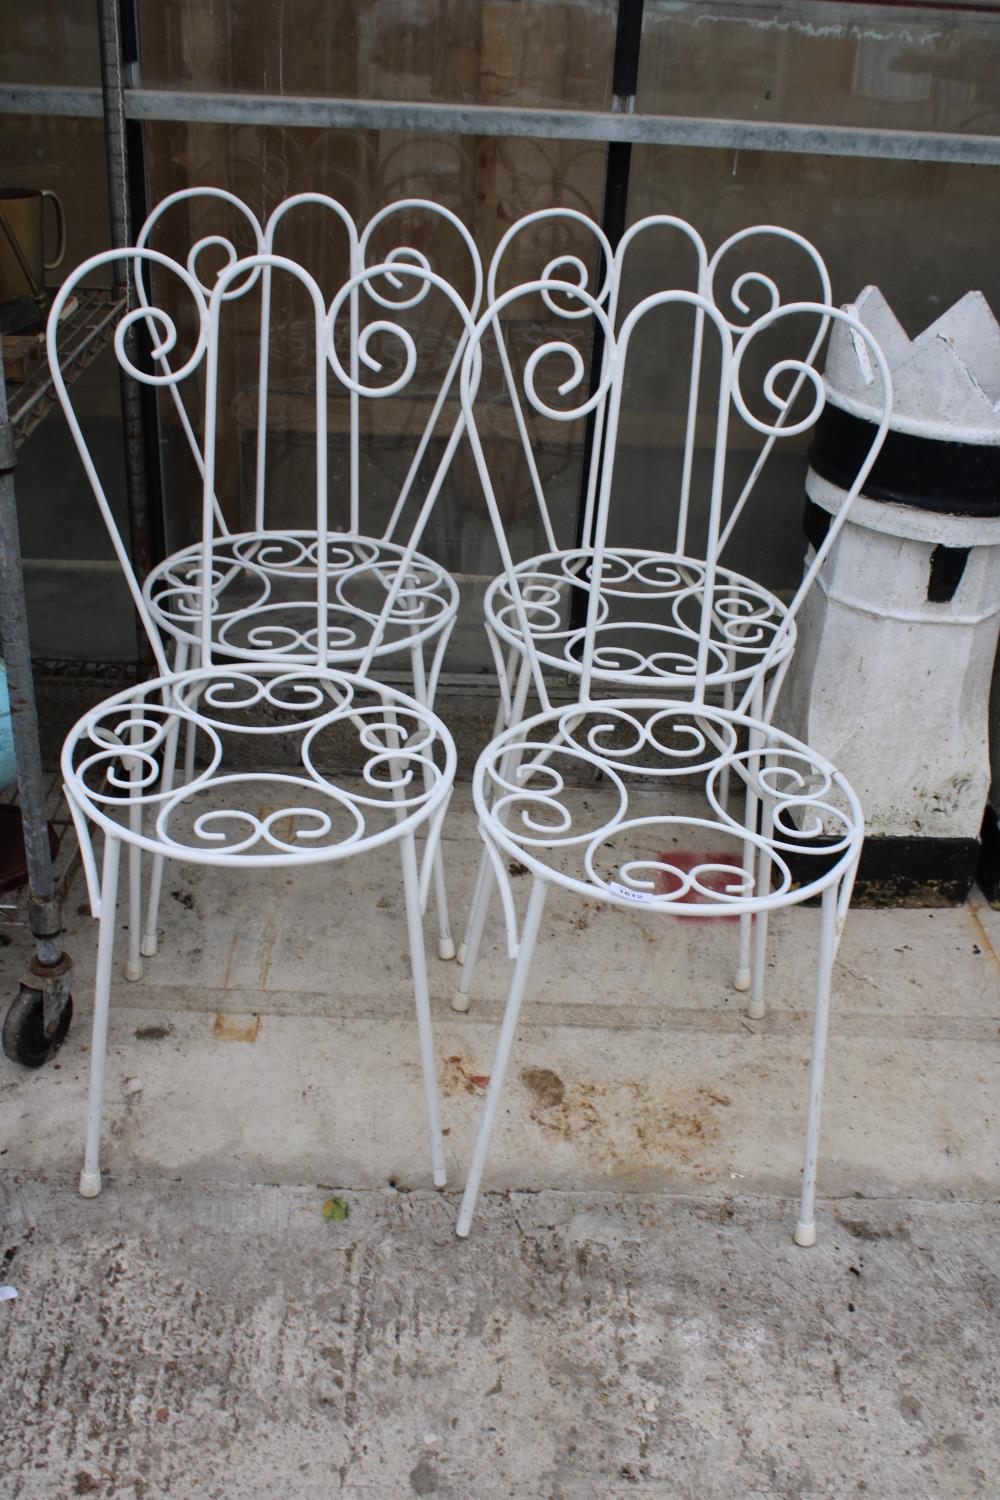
<point x="525" y="952"/>
<point x="468" y="949"/>
<point x="150" y="937"/>
<point x="805" y="1230"/>
<point x="756" y="1008"/>
<point x="742" y="979"/>
<point x="418" y="965"/>
<point x="728" y="698"/>
<point x="90" y="1177"/>
<point x="468" y="953"/>
<point x="133" y="963"/>
<point x="190" y="733"/>
<point x="150" y="940"/>
<point x="470" y="938"/>
<point x="446" y="943"/>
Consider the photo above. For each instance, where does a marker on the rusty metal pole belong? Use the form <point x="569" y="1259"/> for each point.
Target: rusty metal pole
<point x="624" y="82"/>
<point x="113" y="84"/>
<point x="40" y="1014"/>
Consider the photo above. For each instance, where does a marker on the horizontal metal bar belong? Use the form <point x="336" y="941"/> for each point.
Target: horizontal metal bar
<point x="40" y="99"/>
<point x="489" y="120"/>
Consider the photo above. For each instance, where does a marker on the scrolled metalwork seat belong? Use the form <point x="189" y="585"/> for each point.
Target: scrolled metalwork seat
<point x="622" y="796"/>
<point x="593" y="797"/>
<point x="261" y="604"/>
<point x="291" y="761"/>
<point x="746" y="622"/>
<point x="114" y="762"/>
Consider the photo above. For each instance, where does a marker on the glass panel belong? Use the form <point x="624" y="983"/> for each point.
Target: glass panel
<point x="528" y="52"/>
<point x="78" y="603"/>
<point x="918" y="231"/>
<point x="534" y="53"/>
<point x="929" y="68"/>
<point x="51" y="42"/>
<point x="67" y="157"/>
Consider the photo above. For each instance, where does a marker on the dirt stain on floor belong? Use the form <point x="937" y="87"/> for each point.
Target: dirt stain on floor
<point x="154" y="1032"/>
<point x="631" y="1124"/>
<point x="546" y="1087"/>
<point x="236" y="1028"/>
<point x="628" y="1125"/>
<point x="458" y="1076"/>
<point x="860" y="1229"/>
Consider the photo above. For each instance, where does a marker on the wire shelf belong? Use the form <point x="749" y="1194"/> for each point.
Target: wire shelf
<point x="85" y="331"/>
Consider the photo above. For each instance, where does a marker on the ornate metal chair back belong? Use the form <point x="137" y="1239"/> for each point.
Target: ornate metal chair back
<point x="565" y="245"/>
<point x="782" y="400"/>
<point x="173" y="362"/>
<point x="278" y="362"/>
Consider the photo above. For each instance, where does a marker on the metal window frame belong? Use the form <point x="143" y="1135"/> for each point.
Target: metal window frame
<point x="298" y="110"/>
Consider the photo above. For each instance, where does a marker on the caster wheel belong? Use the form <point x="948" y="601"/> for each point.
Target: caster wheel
<point x="24" y="1039"/>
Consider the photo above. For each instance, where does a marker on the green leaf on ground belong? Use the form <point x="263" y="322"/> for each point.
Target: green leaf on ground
<point x="335" y="1210"/>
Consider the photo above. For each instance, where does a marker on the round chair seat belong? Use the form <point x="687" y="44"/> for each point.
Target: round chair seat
<point x="263" y="602"/>
<point x="619" y="800"/>
<point x="650" y="613"/>
<point x="398" y="762"/>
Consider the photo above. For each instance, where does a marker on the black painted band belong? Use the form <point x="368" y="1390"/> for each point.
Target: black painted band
<point x="988" y="873"/>
<point x="956" y="479"/>
<point x="902" y="871"/>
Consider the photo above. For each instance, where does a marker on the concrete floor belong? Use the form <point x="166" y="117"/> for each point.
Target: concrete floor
<point x="630" y="1315"/>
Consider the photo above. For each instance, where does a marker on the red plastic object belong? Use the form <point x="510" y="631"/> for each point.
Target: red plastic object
<point x="688" y="859"/>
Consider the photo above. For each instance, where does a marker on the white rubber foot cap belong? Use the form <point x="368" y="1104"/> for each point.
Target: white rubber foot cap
<point x="805" y="1235"/>
<point x="148" y="946"/>
<point x="133" y="969"/>
<point x="460" y="1002"/>
<point x="440" y="1177"/>
<point x="446" y="948"/>
<point x="460" y="955"/>
<point x="90" y="1184"/>
<point x="756" y="1010"/>
<point x="742" y="980"/>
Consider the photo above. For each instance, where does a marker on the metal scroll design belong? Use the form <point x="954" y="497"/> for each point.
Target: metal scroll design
<point x="263" y="596"/>
<point x="163" y="329"/>
<point x="789" y="421"/>
<point x="736" y="305"/>
<point x="648" y="616"/>
<point x="113" y="763"/>
<point x="545" y="806"/>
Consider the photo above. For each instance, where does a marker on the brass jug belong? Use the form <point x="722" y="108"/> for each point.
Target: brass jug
<point x="22" y="242"/>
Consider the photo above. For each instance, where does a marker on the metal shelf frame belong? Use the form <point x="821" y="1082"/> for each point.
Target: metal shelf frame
<point x="39" y="1015"/>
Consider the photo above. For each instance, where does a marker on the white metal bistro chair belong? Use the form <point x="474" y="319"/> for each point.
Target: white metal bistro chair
<point x="264" y="577"/>
<point x="618" y="797"/>
<point x="647" y="625"/>
<point x="260" y="792"/>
